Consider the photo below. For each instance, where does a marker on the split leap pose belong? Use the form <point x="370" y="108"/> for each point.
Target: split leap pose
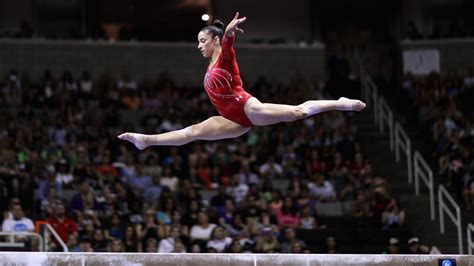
<point x="238" y="110"/>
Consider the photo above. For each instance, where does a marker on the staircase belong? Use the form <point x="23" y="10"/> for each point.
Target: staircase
<point x="417" y="209"/>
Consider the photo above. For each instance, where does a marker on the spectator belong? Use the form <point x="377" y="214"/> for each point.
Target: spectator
<point x="84" y="199"/>
<point x="151" y="245"/>
<point x="393" y="246"/>
<point x="414" y="245"/>
<point x="130" y="240"/>
<point x="63" y="225"/>
<point x="18" y="222"/>
<point x="237" y="190"/>
<point x="393" y="216"/>
<point x="246" y="176"/>
<point x="267" y="243"/>
<point x="322" y="190"/>
<point x="167" y="245"/>
<point x="289" y="238"/>
<point x="116" y="246"/>
<point x="203" y="230"/>
<point x="271" y="169"/>
<point x="73" y="244"/>
<point x="288" y="216"/>
<point x="219" y="240"/>
<point x="330" y="246"/>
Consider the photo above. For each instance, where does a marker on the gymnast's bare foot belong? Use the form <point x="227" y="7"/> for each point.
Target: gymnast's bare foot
<point x="352" y="105"/>
<point x="137" y="139"/>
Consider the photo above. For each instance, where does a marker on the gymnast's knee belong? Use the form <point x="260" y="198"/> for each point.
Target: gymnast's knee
<point x="299" y="113"/>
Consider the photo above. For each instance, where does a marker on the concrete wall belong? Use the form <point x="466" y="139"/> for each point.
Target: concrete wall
<point x="147" y="60"/>
<point x="37" y="258"/>
<point x="273" y="19"/>
<point x="455" y="54"/>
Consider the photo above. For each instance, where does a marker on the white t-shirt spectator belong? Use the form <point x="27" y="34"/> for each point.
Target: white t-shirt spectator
<point x="272" y="170"/>
<point x="166" y="245"/>
<point x="170" y="181"/>
<point x="219" y="244"/>
<point x="238" y="192"/>
<point x="198" y="232"/>
<point x="22" y="225"/>
<point x="248" y="178"/>
<point x="325" y="191"/>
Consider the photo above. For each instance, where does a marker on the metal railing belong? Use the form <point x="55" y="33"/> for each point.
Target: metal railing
<point x="403" y="142"/>
<point x="423" y="171"/>
<point x="49" y="228"/>
<point x="470" y="242"/>
<point x="456" y="219"/>
<point x="13" y="243"/>
<point x="371" y="95"/>
<point x="386" y="117"/>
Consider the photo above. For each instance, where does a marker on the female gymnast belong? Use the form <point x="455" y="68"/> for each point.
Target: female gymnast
<point x="238" y="110"/>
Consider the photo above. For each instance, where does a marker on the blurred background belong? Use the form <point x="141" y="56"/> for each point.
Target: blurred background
<point x="396" y="178"/>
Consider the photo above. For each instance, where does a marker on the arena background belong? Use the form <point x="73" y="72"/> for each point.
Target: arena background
<point x="396" y="178"/>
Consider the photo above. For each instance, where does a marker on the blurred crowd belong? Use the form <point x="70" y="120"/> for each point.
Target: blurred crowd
<point x="444" y="109"/>
<point x="61" y="162"/>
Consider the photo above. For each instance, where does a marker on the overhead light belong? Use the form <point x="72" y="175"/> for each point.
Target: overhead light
<point x="205" y="17"/>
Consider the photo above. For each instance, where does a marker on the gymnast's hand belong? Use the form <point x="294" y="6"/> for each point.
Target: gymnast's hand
<point x="232" y="27"/>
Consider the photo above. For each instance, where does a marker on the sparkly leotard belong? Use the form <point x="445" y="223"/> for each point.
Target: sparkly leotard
<point x="223" y="85"/>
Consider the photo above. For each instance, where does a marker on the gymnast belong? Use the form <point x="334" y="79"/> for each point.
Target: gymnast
<point x="238" y="110"/>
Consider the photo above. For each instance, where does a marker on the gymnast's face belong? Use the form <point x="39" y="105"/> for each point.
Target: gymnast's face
<point x="207" y="43"/>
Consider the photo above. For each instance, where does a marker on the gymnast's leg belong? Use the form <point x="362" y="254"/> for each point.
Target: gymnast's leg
<point x="262" y="114"/>
<point x="214" y="128"/>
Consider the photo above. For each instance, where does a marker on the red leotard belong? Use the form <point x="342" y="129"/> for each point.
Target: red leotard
<point x="223" y="85"/>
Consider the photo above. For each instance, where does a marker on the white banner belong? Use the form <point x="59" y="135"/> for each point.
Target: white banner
<point x="421" y="62"/>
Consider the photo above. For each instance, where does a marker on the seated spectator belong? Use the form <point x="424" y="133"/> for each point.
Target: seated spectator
<point x="296" y="248"/>
<point x="271" y="169"/>
<point x="393" y="216"/>
<point x="308" y="221"/>
<point x="84" y="199"/>
<point x="227" y="213"/>
<point x="246" y="176"/>
<point x="414" y="247"/>
<point x="169" y="179"/>
<point x="235" y="247"/>
<point x="150" y="227"/>
<point x="236" y="227"/>
<point x="203" y="230"/>
<point x="237" y="190"/>
<point x="267" y="243"/>
<point x="73" y="244"/>
<point x="393" y="246"/>
<point x="115" y="229"/>
<point x="330" y="246"/>
<point x="179" y="247"/>
<point x="130" y="240"/>
<point x="116" y="246"/>
<point x="219" y="241"/>
<point x="62" y="224"/>
<point x="289" y="215"/>
<point x="47" y="204"/>
<point x="99" y="243"/>
<point x="167" y="245"/>
<point x="18" y="222"/>
<point x="151" y="245"/>
<point x="289" y="237"/>
<point x="321" y="190"/>
<point x="85" y="245"/>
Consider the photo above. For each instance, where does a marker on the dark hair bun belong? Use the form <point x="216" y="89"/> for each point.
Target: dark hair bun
<point x="219" y="24"/>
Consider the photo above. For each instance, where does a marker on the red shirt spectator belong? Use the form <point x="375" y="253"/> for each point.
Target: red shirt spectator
<point x="63" y="225"/>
